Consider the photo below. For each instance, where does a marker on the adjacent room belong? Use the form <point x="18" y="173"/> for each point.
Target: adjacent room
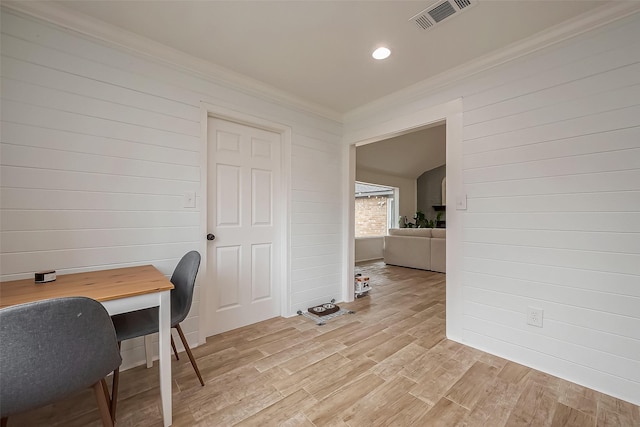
<point x="401" y="184"/>
<point x="210" y="171"/>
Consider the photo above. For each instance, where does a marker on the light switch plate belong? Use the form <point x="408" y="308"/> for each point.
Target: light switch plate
<point x="461" y="202"/>
<point x="190" y="199"/>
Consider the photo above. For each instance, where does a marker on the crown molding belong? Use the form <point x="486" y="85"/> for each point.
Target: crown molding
<point x="141" y="46"/>
<point x="581" y="24"/>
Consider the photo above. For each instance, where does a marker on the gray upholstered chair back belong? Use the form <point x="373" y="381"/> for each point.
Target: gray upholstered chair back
<point x="52" y="348"/>
<point x="184" y="279"/>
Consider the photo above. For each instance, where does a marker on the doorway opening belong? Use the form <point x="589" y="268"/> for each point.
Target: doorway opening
<point x="403" y="190"/>
<point x="448" y="115"/>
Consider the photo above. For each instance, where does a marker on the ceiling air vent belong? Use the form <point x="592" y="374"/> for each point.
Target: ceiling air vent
<point x="440" y="11"/>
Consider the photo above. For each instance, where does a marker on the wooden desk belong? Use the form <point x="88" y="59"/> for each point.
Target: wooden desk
<point x="120" y="290"/>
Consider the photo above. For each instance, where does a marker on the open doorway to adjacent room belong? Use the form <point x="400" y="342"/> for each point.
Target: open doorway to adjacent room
<point x="403" y="179"/>
<point x="400" y="190"/>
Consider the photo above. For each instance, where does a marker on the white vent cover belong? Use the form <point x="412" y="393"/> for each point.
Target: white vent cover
<point x="440" y="11"/>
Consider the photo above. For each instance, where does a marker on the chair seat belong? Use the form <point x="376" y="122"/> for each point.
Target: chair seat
<point x="141" y="322"/>
<point x="136" y="323"/>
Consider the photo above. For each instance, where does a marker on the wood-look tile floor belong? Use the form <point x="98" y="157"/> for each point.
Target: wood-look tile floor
<point x="388" y="364"/>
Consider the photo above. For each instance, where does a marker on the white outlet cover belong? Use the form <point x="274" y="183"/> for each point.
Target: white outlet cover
<point x="190" y="199"/>
<point x="535" y="316"/>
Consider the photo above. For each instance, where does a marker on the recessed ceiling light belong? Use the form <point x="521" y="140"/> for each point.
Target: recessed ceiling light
<point x="381" y="53"/>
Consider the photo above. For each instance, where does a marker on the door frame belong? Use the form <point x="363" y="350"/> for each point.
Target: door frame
<point x="205" y="277"/>
<point x="451" y="113"/>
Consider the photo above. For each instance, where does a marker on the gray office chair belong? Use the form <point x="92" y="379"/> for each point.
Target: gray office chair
<point x="144" y="322"/>
<point x="53" y="348"/>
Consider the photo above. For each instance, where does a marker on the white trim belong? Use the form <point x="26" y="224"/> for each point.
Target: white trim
<point x="598" y="17"/>
<point x="202" y="279"/>
<point x="209" y="110"/>
<point x="141" y="46"/>
<point x="348" y="227"/>
<point x="451" y="113"/>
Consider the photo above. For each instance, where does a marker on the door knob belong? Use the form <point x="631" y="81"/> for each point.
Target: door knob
<point x="210" y="236"/>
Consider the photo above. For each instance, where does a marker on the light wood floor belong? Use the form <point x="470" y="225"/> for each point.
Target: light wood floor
<point x="388" y="364"/>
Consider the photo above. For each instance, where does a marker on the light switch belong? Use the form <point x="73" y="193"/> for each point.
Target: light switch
<point x="190" y="199"/>
<point x="461" y="202"/>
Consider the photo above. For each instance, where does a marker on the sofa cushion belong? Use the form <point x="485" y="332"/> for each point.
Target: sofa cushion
<point x="413" y="232"/>
<point x="438" y="255"/>
<point x="405" y="251"/>
<point x="439" y="233"/>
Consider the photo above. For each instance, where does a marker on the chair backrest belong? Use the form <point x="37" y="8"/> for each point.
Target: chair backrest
<point x="184" y="279"/>
<point x="52" y="348"/>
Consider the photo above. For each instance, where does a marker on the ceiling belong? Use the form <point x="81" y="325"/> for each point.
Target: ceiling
<point x="320" y="51"/>
<point x="406" y="156"/>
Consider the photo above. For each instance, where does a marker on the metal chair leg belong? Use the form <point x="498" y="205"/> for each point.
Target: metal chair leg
<point x="114" y="389"/>
<point x="186" y="347"/>
<point x="173" y="346"/>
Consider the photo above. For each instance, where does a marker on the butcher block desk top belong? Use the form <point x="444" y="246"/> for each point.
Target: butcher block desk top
<point x="103" y="285"/>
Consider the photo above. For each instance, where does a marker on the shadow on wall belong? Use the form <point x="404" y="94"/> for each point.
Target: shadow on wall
<point x="429" y="193"/>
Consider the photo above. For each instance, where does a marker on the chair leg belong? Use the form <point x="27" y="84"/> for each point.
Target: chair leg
<point x="186" y="347"/>
<point x="114" y="393"/>
<point x="103" y="404"/>
<point x="173" y="345"/>
<point x="148" y="351"/>
<point x="105" y="390"/>
<point x="3" y="422"/>
<point x="114" y="389"/>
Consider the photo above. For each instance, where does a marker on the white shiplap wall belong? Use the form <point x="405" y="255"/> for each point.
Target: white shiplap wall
<point x="551" y="168"/>
<point x="98" y="147"/>
<point x="316" y="243"/>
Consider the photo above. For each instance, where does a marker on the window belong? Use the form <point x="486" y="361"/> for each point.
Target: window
<point x="375" y="210"/>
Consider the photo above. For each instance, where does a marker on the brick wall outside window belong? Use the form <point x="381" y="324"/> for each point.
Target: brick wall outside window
<point x="371" y="216"/>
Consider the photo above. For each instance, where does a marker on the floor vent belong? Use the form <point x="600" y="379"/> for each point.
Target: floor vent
<point x="440" y="11"/>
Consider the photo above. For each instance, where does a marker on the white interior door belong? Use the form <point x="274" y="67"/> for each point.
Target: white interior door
<point x="244" y="213"/>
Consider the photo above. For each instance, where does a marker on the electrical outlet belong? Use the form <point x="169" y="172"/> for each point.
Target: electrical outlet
<point x="534" y="316"/>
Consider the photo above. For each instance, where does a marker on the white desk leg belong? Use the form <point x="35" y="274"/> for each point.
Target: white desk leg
<point x="148" y="350"/>
<point x="165" y="355"/>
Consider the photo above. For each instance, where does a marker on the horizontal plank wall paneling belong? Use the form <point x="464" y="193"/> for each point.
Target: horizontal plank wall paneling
<point x="316" y="221"/>
<point x="551" y="171"/>
<point x="99" y="146"/>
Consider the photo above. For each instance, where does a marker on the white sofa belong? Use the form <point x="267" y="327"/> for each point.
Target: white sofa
<point x="423" y="248"/>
